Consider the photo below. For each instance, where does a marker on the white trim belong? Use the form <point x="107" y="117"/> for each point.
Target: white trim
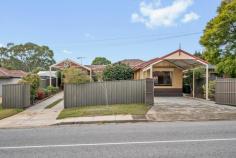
<point x="50" y="77"/>
<point x="146" y="68"/>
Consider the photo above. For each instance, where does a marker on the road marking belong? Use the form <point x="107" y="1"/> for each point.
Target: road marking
<point x="117" y="143"/>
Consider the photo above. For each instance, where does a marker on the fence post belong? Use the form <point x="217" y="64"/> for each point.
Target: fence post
<point x="149" y="91"/>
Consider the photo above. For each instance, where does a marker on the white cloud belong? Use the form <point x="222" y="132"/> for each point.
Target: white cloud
<point x="190" y="17"/>
<point x="67" y="51"/>
<point x="153" y="14"/>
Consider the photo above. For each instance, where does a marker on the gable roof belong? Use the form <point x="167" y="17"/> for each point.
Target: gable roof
<point x="71" y="63"/>
<point x="167" y="57"/>
<point x="6" y="73"/>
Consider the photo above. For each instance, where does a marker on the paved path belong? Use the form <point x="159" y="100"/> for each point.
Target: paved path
<point x="36" y="115"/>
<point x="130" y="140"/>
<point x="188" y="109"/>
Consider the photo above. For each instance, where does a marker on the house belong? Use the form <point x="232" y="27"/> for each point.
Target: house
<point x="167" y="72"/>
<point x="131" y="62"/>
<point x="71" y="63"/>
<point x="10" y="77"/>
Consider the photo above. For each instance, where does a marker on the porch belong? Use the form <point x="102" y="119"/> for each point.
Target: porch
<point x="168" y="71"/>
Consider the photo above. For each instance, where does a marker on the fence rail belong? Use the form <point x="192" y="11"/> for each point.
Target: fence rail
<point x="225" y="91"/>
<point x="110" y="92"/>
<point x="16" y="96"/>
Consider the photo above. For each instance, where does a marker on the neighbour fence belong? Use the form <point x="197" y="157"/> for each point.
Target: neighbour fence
<point x="225" y="91"/>
<point x="16" y="96"/>
<point x="110" y="92"/>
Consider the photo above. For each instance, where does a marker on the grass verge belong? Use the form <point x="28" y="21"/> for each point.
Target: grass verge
<point x="54" y="103"/>
<point x="8" y="112"/>
<point x="100" y="110"/>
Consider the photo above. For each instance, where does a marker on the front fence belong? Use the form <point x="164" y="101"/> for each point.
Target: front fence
<point x="225" y="91"/>
<point x="107" y="93"/>
<point x="16" y="96"/>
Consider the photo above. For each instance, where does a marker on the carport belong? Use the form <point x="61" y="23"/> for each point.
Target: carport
<point x="181" y="61"/>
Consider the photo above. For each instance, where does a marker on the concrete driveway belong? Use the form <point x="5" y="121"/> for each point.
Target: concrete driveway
<point x="189" y="109"/>
<point x="35" y="115"/>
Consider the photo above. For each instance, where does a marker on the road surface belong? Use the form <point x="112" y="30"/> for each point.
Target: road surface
<point x="131" y="140"/>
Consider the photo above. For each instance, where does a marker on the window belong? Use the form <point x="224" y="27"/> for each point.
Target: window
<point x="162" y="78"/>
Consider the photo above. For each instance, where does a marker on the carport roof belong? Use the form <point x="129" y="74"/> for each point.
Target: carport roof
<point x="180" y="58"/>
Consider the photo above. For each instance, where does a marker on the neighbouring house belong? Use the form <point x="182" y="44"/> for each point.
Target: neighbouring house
<point x="131" y="62"/>
<point x="45" y="78"/>
<point x="97" y="71"/>
<point x="167" y="72"/>
<point x="10" y="77"/>
<point x="66" y="64"/>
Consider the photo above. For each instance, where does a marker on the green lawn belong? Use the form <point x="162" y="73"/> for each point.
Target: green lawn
<point x="8" y="112"/>
<point x="99" y="110"/>
<point x="54" y="103"/>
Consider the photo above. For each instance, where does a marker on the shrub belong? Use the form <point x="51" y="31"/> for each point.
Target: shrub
<point x="40" y="94"/>
<point x="45" y="92"/>
<point x="75" y="75"/>
<point x="211" y="89"/>
<point x="52" y="90"/>
<point x="117" y="72"/>
<point x="33" y="80"/>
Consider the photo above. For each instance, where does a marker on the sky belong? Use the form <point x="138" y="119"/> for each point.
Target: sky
<point x="115" y="29"/>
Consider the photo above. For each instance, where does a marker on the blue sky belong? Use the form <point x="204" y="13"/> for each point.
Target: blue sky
<point x="116" y="29"/>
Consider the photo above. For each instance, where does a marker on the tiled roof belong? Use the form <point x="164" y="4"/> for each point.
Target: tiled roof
<point x="131" y="62"/>
<point x="5" y="73"/>
<point x="144" y="64"/>
<point x="96" y="68"/>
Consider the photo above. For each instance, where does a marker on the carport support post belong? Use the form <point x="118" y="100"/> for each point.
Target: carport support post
<point x="207" y="73"/>
<point x="50" y="76"/>
<point x="151" y="72"/>
<point x="193" y="84"/>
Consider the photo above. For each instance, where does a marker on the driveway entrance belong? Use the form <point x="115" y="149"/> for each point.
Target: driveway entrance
<point x="35" y="115"/>
<point x="189" y="109"/>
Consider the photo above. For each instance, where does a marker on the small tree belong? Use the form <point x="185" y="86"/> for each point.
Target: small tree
<point x="117" y="72"/>
<point x="74" y="75"/>
<point x="33" y="80"/>
<point x="101" y="61"/>
<point x="211" y="89"/>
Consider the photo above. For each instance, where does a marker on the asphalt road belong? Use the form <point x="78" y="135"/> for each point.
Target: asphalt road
<point x="131" y="140"/>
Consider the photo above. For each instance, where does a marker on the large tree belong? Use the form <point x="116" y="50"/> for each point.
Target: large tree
<point x="27" y="57"/>
<point x="219" y="39"/>
<point x="101" y="61"/>
<point x="117" y="72"/>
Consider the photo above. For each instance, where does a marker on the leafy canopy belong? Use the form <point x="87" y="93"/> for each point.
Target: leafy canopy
<point x="75" y="75"/>
<point x="27" y="57"/>
<point x="117" y="72"/>
<point x="219" y="39"/>
<point x="32" y="79"/>
<point x="101" y="61"/>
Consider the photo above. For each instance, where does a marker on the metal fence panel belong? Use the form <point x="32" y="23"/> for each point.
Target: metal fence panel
<point x="16" y="96"/>
<point x="110" y="92"/>
<point x="225" y="91"/>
